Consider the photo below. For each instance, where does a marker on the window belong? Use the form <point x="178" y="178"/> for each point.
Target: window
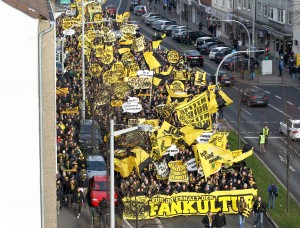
<point x="259" y="8"/>
<point x="244" y="4"/>
<point x="249" y="5"/>
<point x="289" y="18"/>
<point x="223" y="3"/>
<point x="239" y="4"/>
<point x="265" y="10"/>
<point x="281" y="16"/>
<point x="230" y="4"/>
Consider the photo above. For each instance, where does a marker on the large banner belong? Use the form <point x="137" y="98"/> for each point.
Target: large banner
<point x="185" y="203"/>
<point x="195" y="112"/>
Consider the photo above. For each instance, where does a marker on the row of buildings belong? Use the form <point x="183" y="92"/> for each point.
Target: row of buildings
<point x="276" y="22"/>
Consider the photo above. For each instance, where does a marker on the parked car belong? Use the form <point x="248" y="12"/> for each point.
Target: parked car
<point x="225" y="78"/>
<point x="111" y="9"/>
<point x="254" y="96"/>
<point x="190" y="37"/>
<point x="152" y="18"/>
<point x="98" y="190"/>
<point x="163" y="24"/>
<point x="177" y="31"/>
<point x="215" y="50"/>
<point x="150" y="14"/>
<point x="202" y="40"/>
<point x="205" y="48"/>
<point x="291" y="128"/>
<point x="156" y="22"/>
<point x="193" y="57"/>
<point x="96" y="165"/>
<point x="219" y="56"/>
<point x="239" y="62"/>
<point x="89" y="135"/>
<point x="140" y="10"/>
<point x="168" y="29"/>
<point x="132" y="5"/>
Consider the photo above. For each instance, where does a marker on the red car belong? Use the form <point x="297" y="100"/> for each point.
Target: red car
<point x="98" y="190"/>
<point x="111" y="9"/>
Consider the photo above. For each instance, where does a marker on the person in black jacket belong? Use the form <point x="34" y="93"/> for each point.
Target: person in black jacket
<point x="103" y="210"/>
<point x="208" y="220"/>
<point x="59" y="196"/>
<point x="258" y="211"/>
<point x="78" y="199"/>
<point x="219" y="220"/>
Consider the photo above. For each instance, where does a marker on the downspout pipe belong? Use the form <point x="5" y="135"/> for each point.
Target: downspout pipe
<point x="40" y="91"/>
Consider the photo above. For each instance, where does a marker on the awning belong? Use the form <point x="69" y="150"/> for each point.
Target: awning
<point x="273" y="31"/>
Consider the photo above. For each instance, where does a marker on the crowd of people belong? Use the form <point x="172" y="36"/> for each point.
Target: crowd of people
<point x="71" y="162"/>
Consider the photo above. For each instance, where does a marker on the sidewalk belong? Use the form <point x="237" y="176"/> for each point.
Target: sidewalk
<point x="272" y="79"/>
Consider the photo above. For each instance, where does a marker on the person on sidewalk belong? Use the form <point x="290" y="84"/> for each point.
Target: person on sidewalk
<point x="78" y="199"/>
<point x="273" y="193"/>
<point x="200" y="25"/>
<point x="262" y="140"/>
<point x="258" y="212"/>
<point x="280" y="66"/>
<point x="219" y="220"/>
<point x="208" y="220"/>
<point x="265" y="131"/>
<point x="294" y="71"/>
<point x="103" y="210"/>
<point x="241" y="207"/>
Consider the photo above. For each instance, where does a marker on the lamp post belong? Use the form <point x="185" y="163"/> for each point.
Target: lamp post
<point x="253" y="22"/>
<point x="112" y="152"/>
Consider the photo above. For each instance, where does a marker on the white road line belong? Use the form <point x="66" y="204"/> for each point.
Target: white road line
<point x="267" y="92"/>
<point x="255" y="137"/>
<point x="255" y="87"/>
<point x="277" y="109"/>
<point x="247" y="112"/>
<point x="278" y="97"/>
<point x="289" y="103"/>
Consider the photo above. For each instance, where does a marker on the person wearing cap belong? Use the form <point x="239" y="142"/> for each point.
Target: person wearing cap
<point x="219" y="220"/>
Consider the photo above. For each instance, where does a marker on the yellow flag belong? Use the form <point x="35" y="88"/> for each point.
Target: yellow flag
<point x="155" y="44"/>
<point x="168" y="129"/>
<point x="138" y="44"/>
<point x="195" y="112"/>
<point x="225" y="97"/>
<point x="108" y="55"/>
<point x="219" y="139"/>
<point x="190" y="134"/>
<point x="119" y="18"/>
<point x="151" y="60"/>
<point x="126" y="16"/>
<point x="213" y="105"/>
<point x="200" y="78"/>
<point x="209" y="162"/>
<point x="142" y="158"/>
<point x="125" y="42"/>
<point x="169" y="100"/>
<point x="123" y="50"/>
<point x="242" y="156"/>
<point x="124" y="166"/>
<point x="168" y="71"/>
<point x="164" y="143"/>
<point x="156" y="81"/>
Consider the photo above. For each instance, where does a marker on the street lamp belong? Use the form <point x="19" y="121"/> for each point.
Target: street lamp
<point x="249" y="39"/>
<point x="112" y="153"/>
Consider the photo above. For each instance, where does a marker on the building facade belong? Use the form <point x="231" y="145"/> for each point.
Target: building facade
<point x="27" y="95"/>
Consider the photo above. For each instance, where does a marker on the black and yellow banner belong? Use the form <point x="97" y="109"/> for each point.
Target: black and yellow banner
<point x="178" y="172"/>
<point x="185" y="203"/>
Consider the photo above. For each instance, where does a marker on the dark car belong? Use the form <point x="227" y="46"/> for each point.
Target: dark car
<point x="193" y="57"/>
<point x="168" y="29"/>
<point x="225" y="78"/>
<point x="219" y="56"/>
<point x="190" y="37"/>
<point x="90" y="135"/>
<point x="254" y="96"/>
<point x="239" y="62"/>
<point x="132" y="5"/>
<point x="205" y="48"/>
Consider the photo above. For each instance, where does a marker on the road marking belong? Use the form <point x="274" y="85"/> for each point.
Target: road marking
<point x="277" y="109"/>
<point x="290" y="146"/>
<point x="255" y="87"/>
<point x="247" y="112"/>
<point x="267" y="92"/>
<point x="278" y="97"/>
<point x="255" y="137"/>
<point x="298" y="107"/>
<point x="289" y="103"/>
<point x="284" y="161"/>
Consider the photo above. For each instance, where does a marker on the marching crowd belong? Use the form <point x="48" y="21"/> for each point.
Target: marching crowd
<point x="72" y="182"/>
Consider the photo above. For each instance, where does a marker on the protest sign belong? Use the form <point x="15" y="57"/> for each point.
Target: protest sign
<point x="178" y="172"/>
<point x="140" y="83"/>
<point x="191" y="165"/>
<point x="172" y="150"/>
<point x="132" y="105"/>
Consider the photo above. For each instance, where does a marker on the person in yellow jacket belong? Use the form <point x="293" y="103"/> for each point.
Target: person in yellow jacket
<point x="266" y="133"/>
<point x="261" y="142"/>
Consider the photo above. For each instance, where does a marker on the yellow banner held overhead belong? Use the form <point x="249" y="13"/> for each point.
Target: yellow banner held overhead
<point x="195" y="112"/>
<point x="168" y="129"/>
<point x="173" y="56"/>
<point x="186" y="203"/>
<point x="126" y="16"/>
<point x="123" y="50"/>
<point x="138" y="44"/>
<point x="190" y="133"/>
<point x="178" y="172"/>
<point x="170" y="68"/>
<point x="219" y="139"/>
<point x="151" y="60"/>
<point x="124" y="166"/>
<point x="156" y="43"/>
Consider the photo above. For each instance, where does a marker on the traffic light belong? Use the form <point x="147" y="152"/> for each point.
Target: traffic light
<point x="267" y="53"/>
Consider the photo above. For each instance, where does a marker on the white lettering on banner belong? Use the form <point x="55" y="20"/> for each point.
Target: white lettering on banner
<point x="145" y="73"/>
<point x="172" y="150"/>
<point x="132" y="105"/>
<point x="204" y="138"/>
<point x="191" y="165"/>
<point x="162" y="169"/>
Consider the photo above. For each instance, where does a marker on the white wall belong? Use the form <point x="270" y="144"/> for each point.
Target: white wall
<point x="19" y="163"/>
